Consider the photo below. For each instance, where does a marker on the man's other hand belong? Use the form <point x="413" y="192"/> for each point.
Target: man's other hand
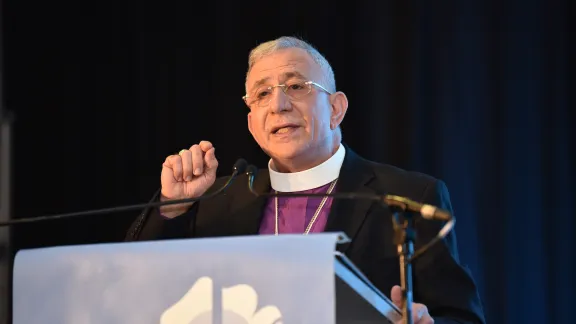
<point x="419" y="311"/>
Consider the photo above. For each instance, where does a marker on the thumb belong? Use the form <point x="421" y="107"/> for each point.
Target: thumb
<point x="210" y="160"/>
<point x="396" y="296"/>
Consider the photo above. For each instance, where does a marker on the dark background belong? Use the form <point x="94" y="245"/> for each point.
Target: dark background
<point x="474" y="92"/>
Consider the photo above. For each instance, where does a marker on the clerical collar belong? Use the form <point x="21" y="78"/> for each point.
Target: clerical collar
<point x="315" y="177"/>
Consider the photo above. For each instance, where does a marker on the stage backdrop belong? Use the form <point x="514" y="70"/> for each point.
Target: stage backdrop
<point x="473" y="92"/>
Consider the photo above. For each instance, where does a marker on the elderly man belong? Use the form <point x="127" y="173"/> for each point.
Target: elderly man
<point x="294" y="115"/>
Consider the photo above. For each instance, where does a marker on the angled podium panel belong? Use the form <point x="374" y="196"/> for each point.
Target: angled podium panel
<point x="358" y="301"/>
<point x="232" y="280"/>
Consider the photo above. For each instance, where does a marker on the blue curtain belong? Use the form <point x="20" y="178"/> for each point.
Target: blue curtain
<point x="477" y="93"/>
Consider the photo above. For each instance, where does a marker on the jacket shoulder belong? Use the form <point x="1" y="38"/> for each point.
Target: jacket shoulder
<point x="402" y="182"/>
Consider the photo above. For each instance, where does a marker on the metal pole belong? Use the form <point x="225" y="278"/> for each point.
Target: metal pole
<point x="404" y="237"/>
<point x="5" y="199"/>
<point x="5" y="215"/>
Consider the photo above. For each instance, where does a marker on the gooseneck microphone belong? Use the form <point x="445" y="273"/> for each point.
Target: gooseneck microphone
<point x="238" y="168"/>
<point x="426" y="211"/>
<point x="395" y="203"/>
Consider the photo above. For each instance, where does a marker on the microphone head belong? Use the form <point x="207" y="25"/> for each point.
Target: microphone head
<point x="240" y="166"/>
<point x="251" y="170"/>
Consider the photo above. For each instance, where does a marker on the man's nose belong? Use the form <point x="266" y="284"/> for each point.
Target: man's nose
<point x="279" y="101"/>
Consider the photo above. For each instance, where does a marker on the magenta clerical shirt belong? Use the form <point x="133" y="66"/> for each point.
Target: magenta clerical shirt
<point x="295" y="213"/>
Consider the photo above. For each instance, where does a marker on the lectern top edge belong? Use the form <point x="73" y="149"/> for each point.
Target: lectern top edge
<point x="342" y="238"/>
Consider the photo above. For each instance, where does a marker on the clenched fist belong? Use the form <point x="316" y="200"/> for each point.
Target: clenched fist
<point x="187" y="175"/>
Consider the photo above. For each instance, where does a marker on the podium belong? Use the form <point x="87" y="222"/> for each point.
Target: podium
<point x="232" y="280"/>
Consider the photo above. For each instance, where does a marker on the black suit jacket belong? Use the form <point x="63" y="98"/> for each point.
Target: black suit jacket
<point x="440" y="282"/>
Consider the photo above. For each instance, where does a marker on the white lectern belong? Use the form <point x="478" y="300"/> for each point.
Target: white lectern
<point x="232" y="280"/>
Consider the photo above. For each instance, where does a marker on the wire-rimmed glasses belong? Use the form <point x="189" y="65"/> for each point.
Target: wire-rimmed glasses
<point x="294" y="90"/>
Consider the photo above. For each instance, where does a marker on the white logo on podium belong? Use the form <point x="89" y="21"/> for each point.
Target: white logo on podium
<point x="239" y="306"/>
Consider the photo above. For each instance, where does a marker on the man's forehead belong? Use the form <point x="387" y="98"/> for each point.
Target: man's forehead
<point x="279" y="76"/>
<point x="284" y="69"/>
<point x="281" y="66"/>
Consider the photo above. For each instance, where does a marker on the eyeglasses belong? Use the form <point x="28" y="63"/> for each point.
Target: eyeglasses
<point x="294" y="90"/>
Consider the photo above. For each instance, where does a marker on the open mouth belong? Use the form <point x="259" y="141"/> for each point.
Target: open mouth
<point x="284" y="129"/>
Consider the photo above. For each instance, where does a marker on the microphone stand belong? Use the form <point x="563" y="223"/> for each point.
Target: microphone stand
<point x="404" y="237"/>
<point x="5" y="199"/>
<point x="5" y="215"/>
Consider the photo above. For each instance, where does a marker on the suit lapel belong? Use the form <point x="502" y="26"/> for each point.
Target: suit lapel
<point x="347" y="215"/>
<point x="250" y="209"/>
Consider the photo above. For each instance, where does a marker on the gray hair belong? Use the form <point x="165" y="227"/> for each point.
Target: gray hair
<point x="284" y="42"/>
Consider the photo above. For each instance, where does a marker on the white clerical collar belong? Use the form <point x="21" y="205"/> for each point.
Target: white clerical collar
<point x="318" y="176"/>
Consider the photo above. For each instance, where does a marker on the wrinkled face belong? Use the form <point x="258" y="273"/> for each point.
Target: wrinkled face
<point x="288" y="128"/>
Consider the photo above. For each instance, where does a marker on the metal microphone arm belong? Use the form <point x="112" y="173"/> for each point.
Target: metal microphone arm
<point x="239" y="168"/>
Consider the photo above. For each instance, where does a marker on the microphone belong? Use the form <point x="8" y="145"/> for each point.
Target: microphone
<point x="238" y="168"/>
<point x="427" y="211"/>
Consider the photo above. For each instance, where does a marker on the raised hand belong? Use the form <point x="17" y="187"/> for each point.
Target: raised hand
<point x="187" y="174"/>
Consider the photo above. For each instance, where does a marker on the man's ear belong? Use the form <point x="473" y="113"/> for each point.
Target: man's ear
<point x="249" y="120"/>
<point x="339" y="104"/>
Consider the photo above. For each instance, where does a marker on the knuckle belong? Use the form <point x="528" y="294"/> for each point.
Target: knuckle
<point x="172" y="158"/>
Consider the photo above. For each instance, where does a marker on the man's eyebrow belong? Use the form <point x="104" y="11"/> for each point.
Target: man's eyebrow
<point x="285" y="76"/>
<point x="260" y="82"/>
<point x="293" y="74"/>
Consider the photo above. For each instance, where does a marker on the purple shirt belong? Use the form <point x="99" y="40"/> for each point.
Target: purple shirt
<point x="295" y="213"/>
